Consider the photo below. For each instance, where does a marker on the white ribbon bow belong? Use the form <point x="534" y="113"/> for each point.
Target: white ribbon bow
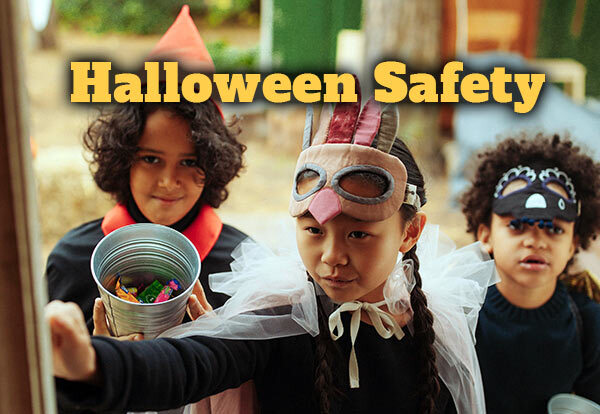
<point x="383" y="322"/>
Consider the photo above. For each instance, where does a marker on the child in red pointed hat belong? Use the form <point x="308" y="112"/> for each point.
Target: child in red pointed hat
<point x="163" y="163"/>
<point x="167" y="164"/>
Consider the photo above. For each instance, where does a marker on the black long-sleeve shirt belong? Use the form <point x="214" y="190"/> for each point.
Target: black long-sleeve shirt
<point x="168" y="373"/>
<point x="528" y="355"/>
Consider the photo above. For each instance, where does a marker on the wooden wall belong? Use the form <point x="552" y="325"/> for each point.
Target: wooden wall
<point x="26" y="385"/>
<point x="487" y="25"/>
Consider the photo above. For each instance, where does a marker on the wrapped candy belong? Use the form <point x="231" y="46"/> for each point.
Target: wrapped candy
<point x="164" y="295"/>
<point x="174" y="284"/>
<point x="123" y="293"/>
<point x="150" y="294"/>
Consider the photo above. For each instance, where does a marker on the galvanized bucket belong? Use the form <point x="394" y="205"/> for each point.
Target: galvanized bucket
<point x="142" y="253"/>
<point x="572" y="404"/>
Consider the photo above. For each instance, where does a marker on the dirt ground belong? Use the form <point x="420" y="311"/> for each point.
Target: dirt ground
<point x="258" y="199"/>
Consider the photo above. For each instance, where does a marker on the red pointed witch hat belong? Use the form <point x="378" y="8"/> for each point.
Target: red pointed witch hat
<point x="182" y="42"/>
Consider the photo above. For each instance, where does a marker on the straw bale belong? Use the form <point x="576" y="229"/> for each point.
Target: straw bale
<point x="67" y="194"/>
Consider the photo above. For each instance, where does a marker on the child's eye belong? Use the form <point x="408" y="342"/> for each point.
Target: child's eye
<point x="189" y="163"/>
<point x="358" y="235"/>
<point x="555" y="230"/>
<point x="515" y="225"/>
<point x="313" y="230"/>
<point x="150" y="159"/>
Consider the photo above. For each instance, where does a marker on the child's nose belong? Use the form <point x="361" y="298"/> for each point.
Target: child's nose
<point x="334" y="253"/>
<point x="169" y="179"/>
<point x="535" y="238"/>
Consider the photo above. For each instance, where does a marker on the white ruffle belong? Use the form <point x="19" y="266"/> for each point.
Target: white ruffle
<point x="455" y="283"/>
<point x="397" y="288"/>
<point x="271" y="297"/>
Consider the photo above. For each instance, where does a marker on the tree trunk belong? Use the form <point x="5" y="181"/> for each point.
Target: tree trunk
<point x="408" y="31"/>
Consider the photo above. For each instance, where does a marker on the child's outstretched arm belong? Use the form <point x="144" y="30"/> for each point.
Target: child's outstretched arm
<point x="104" y="374"/>
<point x="73" y="356"/>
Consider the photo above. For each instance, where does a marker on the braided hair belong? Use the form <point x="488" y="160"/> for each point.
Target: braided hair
<point x="326" y="355"/>
<point x="422" y="319"/>
<point x="424" y="335"/>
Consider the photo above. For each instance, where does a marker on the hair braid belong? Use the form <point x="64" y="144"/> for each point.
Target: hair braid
<point x="424" y="337"/>
<point x="422" y="319"/>
<point x="324" y="387"/>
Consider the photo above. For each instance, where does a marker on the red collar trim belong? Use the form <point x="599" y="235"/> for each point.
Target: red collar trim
<point x="203" y="232"/>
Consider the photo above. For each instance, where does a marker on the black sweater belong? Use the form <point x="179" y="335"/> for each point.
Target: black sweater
<point x="167" y="373"/>
<point x="529" y="355"/>
<point x="69" y="276"/>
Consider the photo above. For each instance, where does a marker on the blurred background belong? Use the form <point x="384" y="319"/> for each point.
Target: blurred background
<point x="558" y="37"/>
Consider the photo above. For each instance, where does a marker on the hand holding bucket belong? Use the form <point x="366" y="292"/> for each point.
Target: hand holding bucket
<point x="140" y="253"/>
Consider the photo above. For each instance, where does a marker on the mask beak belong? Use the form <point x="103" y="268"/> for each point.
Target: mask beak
<point x="325" y="205"/>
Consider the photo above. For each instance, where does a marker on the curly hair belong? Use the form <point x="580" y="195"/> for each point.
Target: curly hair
<point x="424" y="334"/>
<point x="113" y="137"/>
<point x="493" y="162"/>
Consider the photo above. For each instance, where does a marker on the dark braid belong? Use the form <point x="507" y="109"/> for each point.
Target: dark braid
<point x="325" y="353"/>
<point x="424" y="334"/>
<point x="424" y="337"/>
<point x="323" y="375"/>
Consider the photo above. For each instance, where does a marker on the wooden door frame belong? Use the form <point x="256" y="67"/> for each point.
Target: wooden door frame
<point x="25" y="366"/>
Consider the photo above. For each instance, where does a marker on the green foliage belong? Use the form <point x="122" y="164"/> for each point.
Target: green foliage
<point x="155" y="16"/>
<point x="220" y="11"/>
<point x="230" y="58"/>
<point x="131" y="16"/>
<point x="149" y="16"/>
<point x="556" y="38"/>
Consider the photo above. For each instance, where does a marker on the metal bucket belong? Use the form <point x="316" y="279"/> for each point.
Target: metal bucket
<point x="572" y="404"/>
<point x="142" y="253"/>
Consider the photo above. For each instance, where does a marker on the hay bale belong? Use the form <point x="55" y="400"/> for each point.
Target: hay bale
<point x="67" y="194"/>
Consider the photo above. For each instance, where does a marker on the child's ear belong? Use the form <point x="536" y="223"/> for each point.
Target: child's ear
<point x="574" y="245"/>
<point x="483" y="236"/>
<point x="413" y="231"/>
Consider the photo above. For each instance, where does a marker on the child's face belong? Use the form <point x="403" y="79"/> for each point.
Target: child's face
<point x="351" y="259"/>
<point x="164" y="180"/>
<point x="528" y="257"/>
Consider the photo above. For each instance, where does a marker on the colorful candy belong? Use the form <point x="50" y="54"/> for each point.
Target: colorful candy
<point x="150" y="294"/>
<point x="164" y="295"/>
<point x="174" y="284"/>
<point x="124" y="293"/>
<point x="156" y="292"/>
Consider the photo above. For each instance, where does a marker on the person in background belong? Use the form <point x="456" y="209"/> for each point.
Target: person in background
<point x="532" y="203"/>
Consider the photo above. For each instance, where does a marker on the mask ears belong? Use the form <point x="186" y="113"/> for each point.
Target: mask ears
<point x="483" y="236"/>
<point x="413" y="231"/>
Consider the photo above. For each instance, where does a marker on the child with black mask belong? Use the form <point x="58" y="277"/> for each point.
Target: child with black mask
<point x="532" y="203"/>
